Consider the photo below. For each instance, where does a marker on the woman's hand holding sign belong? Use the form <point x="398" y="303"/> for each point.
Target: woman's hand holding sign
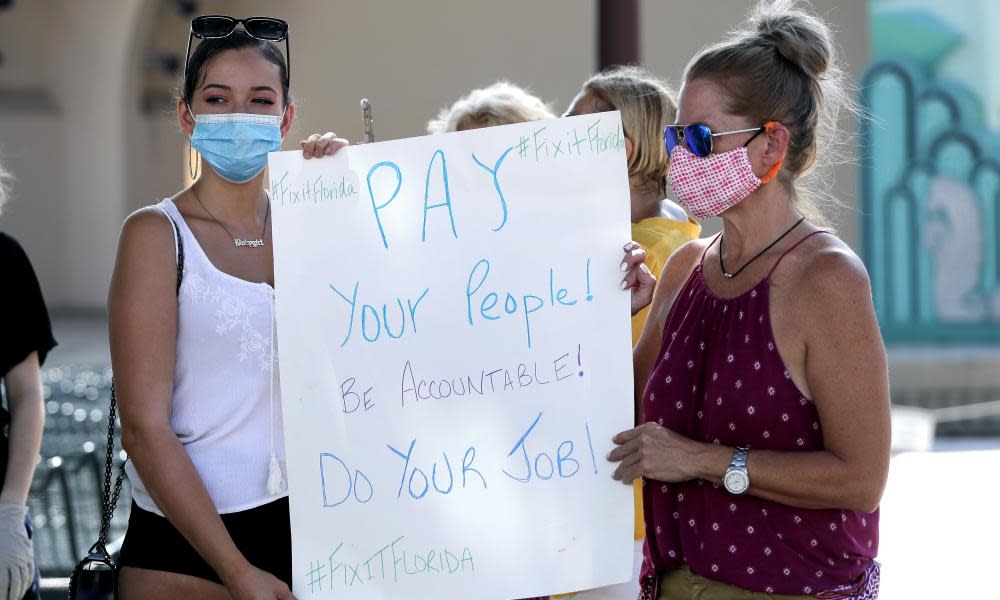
<point x="658" y="453"/>
<point x="638" y="277"/>
<point x="318" y="146"/>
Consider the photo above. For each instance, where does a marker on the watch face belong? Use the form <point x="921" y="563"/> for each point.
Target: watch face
<point x="736" y="481"/>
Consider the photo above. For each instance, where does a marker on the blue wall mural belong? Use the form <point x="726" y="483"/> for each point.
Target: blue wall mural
<point x="930" y="184"/>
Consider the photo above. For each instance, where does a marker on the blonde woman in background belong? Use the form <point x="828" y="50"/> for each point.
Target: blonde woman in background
<point x="27" y="338"/>
<point x="501" y="103"/>
<point x="647" y="105"/>
<point x="659" y="225"/>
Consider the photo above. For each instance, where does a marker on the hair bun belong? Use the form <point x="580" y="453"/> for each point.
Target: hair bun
<point x="799" y="37"/>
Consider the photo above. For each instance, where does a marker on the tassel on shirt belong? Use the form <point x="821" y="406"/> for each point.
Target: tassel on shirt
<point x="275" y="482"/>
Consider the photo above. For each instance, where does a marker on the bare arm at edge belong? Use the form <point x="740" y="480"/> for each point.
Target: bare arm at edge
<point x="142" y="324"/>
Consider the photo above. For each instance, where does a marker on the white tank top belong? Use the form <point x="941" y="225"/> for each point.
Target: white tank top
<point x="226" y="408"/>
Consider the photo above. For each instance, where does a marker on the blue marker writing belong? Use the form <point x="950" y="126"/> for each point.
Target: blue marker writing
<point x="496" y="183"/>
<point x="377" y="207"/>
<point x="447" y="195"/>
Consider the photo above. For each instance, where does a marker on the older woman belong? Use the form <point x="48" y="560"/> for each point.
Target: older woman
<point x="501" y="103"/>
<point x="761" y="371"/>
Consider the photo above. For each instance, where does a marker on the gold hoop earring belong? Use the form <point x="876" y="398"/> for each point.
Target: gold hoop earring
<point x="194" y="163"/>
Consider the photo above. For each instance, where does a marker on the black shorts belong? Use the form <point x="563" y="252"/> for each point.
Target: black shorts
<point x="262" y="534"/>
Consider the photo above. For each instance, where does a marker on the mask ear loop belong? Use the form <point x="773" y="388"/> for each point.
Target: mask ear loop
<point x="770" y="125"/>
<point x="281" y="121"/>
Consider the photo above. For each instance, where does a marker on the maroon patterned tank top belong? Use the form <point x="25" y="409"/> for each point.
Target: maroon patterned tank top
<point x="720" y="379"/>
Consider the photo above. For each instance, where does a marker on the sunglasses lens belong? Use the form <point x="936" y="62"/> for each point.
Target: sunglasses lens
<point x="266" y="28"/>
<point x="670" y="137"/>
<point x="212" y="26"/>
<point x="699" y="139"/>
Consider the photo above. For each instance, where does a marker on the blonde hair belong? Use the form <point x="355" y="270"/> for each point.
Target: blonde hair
<point x="5" y="178"/>
<point x="502" y="103"/>
<point x="782" y="66"/>
<point x="647" y="105"/>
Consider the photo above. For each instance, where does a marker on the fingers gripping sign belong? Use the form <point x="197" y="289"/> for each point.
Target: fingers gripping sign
<point x="638" y="278"/>
<point x="654" y="452"/>
<point x="318" y="146"/>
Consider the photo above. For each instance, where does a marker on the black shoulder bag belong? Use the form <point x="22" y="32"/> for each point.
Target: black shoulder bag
<point x="96" y="576"/>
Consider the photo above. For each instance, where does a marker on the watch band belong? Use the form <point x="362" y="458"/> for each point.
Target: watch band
<point x="740" y="458"/>
<point x="737" y="477"/>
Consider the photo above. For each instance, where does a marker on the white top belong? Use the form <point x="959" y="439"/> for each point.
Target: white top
<point x="226" y="408"/>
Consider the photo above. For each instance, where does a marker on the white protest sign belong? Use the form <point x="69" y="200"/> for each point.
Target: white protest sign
<point x="455" y="358"/>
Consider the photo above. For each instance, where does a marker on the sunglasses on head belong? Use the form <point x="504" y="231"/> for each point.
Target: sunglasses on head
<point x="267" y="29"/>
<point x="698" y="137"/>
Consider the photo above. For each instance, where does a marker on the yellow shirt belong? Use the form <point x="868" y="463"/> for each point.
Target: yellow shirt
<point x="659" y="237"/>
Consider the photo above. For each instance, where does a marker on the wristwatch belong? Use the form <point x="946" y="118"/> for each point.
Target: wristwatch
<point x="737" y="478"/>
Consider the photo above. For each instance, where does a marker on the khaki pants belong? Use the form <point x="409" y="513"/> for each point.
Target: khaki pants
<point x="682" y="584"/>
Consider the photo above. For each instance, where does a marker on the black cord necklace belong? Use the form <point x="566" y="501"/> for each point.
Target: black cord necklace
<point x="722" y="239"/>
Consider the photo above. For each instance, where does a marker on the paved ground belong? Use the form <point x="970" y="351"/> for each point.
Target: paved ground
<point x="940" y="529"/>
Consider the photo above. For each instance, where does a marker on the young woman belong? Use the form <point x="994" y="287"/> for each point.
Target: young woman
<point x="195" y="365"/>
<point x="761" y="370"/>
<point x="27" y="338"/>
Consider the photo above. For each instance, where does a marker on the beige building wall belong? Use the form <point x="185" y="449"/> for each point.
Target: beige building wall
<point x="90" y="134"/>
<point x="61" y="132"/>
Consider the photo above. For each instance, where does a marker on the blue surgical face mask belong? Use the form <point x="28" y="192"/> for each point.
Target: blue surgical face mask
<point x="236" y="144"/>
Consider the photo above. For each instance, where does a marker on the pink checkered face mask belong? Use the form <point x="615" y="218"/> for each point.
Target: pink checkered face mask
<point x="709" y="186"/>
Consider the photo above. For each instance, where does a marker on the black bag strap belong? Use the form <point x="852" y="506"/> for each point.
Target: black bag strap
<point x="109" y="501"/>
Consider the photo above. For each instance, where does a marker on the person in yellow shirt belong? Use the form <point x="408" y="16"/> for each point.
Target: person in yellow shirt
<point x="659" y="225"/>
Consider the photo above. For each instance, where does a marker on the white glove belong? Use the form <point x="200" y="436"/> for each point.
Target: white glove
<point x="17" y="559"/>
